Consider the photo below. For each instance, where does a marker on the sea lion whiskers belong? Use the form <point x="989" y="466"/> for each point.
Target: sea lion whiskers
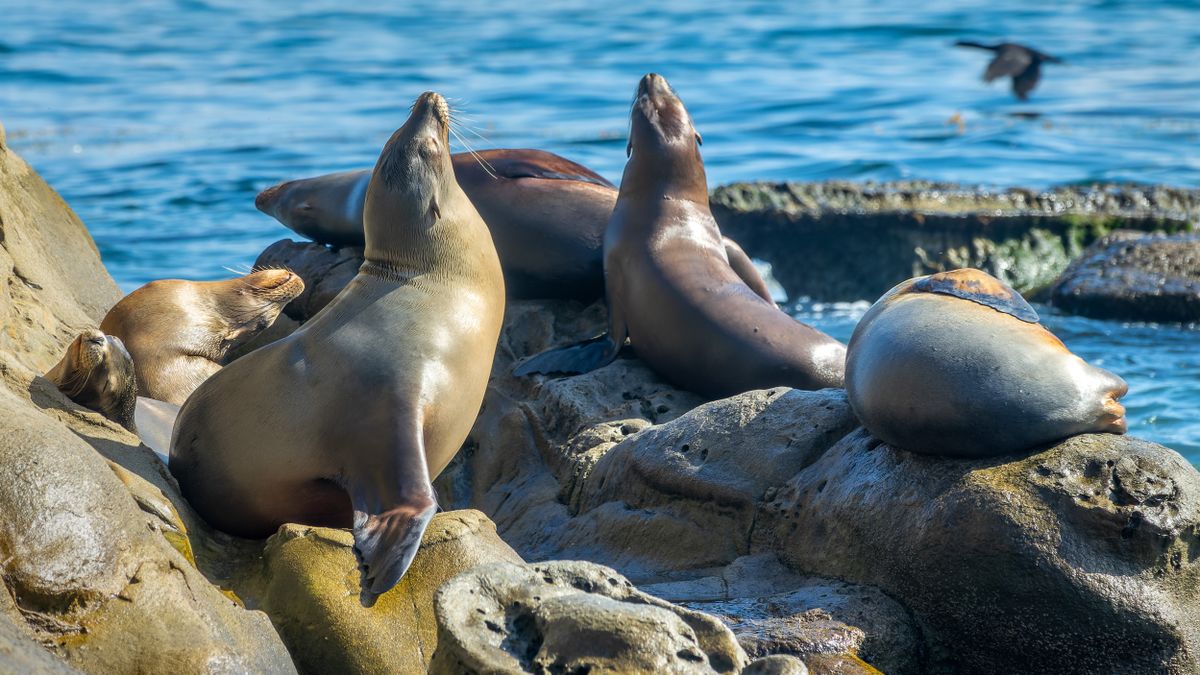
<point x="491" y="171"/>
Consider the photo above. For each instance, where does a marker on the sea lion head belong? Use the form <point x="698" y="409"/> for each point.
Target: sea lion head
<point x="412" y="181"/>
<point x="327" y="209"/>
<point x="663" y="142"/>
<point x="97" y="373"/>
<point x="246" y="306"/>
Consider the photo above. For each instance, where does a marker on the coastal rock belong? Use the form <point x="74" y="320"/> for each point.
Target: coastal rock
<point x="96" y="557"/>
<point x="1074" y="559"/>
<point x="1071" y="558"/>
<point x="53" y="281"/>
<point x="1133" y="277"/>
<point x="858" y="240"/>
<point x="309" y="586"/>
<point x="92" y="574"/>
<point x="569" y="616"/>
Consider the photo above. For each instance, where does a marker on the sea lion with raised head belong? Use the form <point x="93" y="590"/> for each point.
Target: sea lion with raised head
<point x="670" y="286"/>
<point x="345" y="422"/>
<point x="97" y="372"/>
<point x="956" y="364"/>
<point x="181" y="332"/>
<point x="547" y="215"/>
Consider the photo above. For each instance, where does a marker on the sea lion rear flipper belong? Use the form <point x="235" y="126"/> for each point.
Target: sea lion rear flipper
<point x="575" y="359"/>
<point x="385" y="542"/>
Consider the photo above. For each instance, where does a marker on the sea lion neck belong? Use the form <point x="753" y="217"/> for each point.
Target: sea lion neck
<point x="412" y="197"/>
<point x="664" y="154"/>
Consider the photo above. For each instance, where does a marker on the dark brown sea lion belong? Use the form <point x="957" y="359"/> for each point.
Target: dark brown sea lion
<point x="956" y="364"/>
<point x="98" y="373"/>
<point x="344" y="422"/>
<point x="181" y="332"/>
<point x="547" y="215"/>
<point x="1023" y="64"/>
<point x="671" y="290"/>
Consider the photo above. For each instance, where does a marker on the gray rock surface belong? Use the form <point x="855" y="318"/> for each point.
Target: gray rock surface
<point x="1130" y="276"/>
<point x="1074" y="558"/>
<point x="858" y="240"/>
<point x="571" y="616"/>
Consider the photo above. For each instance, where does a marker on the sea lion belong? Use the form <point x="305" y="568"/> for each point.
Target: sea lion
<point x="344" y="422"/>
<point x="1023" y="64"/>
<point x="547" y="215"/>
<point x="669" y="284"/>
<point x="97" y="372"/>
<point x="956" y="364"/>
<point x="181" y="332"/>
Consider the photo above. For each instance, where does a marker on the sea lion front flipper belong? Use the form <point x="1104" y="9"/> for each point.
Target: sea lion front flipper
<point x="574" y="359"/>
<point x="387" y="534"/>
<point x="385" y="545"/>
<point x="744" y="267"/>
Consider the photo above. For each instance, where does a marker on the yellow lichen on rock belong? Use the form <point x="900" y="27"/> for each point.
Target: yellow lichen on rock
<point x="308" y="583"/>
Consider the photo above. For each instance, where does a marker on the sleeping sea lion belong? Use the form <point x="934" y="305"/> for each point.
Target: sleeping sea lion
<point x="956" y="364"/>
<point x="181" y="332"/>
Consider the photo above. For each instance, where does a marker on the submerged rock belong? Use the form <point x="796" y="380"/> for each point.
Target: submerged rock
<point x="858" y="240"/>
<point x="568" y="616"/>
<point x="1129" y="276"/>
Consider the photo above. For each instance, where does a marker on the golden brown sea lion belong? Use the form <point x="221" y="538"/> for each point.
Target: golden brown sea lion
<point x="671" y="289"/>
<point x="956" y="364"/>
<point x="344" y="422"/>
<point x="181" y="332"/>
<point x="547" y="215"/>
<point x="98" y="373"/>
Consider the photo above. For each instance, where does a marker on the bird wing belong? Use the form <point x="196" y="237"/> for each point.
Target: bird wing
<point x="1011" y="60"/>
<point x="1026" y="81"/>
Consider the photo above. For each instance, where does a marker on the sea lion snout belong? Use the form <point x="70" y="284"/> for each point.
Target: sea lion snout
<point x="654" y="85"/>
<point x="93" y="336"/>
<point x="430" y="106"/>
<point x="268" y="198"/>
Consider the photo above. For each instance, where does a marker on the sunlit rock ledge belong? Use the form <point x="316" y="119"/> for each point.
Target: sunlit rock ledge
<point x="777" y="526"/>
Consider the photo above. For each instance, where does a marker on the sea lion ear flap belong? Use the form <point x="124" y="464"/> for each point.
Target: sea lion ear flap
<point x="699" y="139"/>
<point x="434" y="208"/>
<point x="629" y="147"/>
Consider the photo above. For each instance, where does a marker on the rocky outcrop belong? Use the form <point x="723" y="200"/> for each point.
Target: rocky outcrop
<point x="1074" y="558"/>
<point x="571" y="617"/>
<point x="97" y="561"/>
<point x="858" y="240"/>
<point x="1130" y="276"/>
<point x="53" y="281"/>
<point x="308" y="583"/>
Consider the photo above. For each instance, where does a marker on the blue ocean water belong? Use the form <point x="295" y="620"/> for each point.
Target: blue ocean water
<point x="159" y="121"/>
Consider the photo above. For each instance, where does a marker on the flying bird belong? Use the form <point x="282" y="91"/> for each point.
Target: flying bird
<point x="1023" y="64"/>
